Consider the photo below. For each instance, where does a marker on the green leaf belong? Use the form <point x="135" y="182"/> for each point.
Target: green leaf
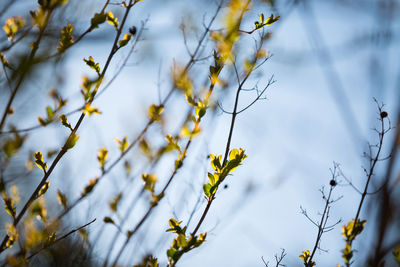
<point x="115" y="201"/>
<point x="108" y="220"/>
<point x="43" y="122"/>
<point x="62" y="199"/>
<point x="190" y="99"/>
<point x="123" y="145"/>
<point x="178" y="164"/>
<point x="211" y="178"/>
<point x="172" y="144"/>
<point x="201" y="109"/>
<point x="64" y="121"/>
<point x="50" y="112"/>
<point x="98" y="18"/>
<point x="125" y="40"/>
<point x="181" y="240"/>
<point x="89" y="110"/>
<point x="89" y="188"/>
<point x="9" y="205"/>
<point x="44" y="189"/>
<point x="71" y="141"/>
<point x="112" y="20"/>
<point x="206" y="189"/>
<point x="149" y="181"/>
<point x="66" y="39"/>
<point x="39" y="161"/>
<point x="216" y="162"/>
<point x="171" y="253"/>
<point x="102" y="157"/>
<point x="90" y="62"/>
<point x="201" y="240"/>
<point x="271" y="19"/>
<point x="11" y="146"/>
<point x="12" y="26"/>
<point x="232" y="155"/>
<point x="262" y="18"/>
<point x="173" y="223"/>
<point x="155" y="112"/>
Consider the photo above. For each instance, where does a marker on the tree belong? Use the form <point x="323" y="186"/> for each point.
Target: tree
<point x="152" y="185"/>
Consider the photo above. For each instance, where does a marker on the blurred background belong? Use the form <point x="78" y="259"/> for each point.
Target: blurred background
<point x="330" y="59"/>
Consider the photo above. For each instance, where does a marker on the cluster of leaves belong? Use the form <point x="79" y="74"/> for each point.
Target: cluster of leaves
<point x="264" y="22"/>
<point x="305" y="257"/>
<point x="51" y="112"/>
<point x="221" y="171"/>
<point x="350" y="232"/>
<point x="13" y="25"/>
<point x="182" y="243"/>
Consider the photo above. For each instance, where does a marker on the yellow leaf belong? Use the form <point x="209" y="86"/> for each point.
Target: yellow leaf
<point x="89" y="110"/>
<point x="102" y="157"/>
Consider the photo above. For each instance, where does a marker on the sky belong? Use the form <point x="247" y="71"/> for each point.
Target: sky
<point x="292" y="138"/>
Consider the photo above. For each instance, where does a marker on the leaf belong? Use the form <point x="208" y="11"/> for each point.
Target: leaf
<point x="89" y="188"/>
<point x="115" y="201"/>
<point x="190" y="99"/>
<point x="90" y="62"/>
<point x="232" y="155"/>
<point x="201" y="240"/>
<point x="39" y="17"/>
<point x="4" y="60"/>
<point x="9" y="206"/>
<point x="64" y="121"/>
<point x="62" y="199"/>
<point x="172" y="143"/>
<point x="98" y="18"/>
<point x="43" y="122"/>
<point x="216" y="162"/>
<point x="52" y="152"/>
<point x="171" y="252"/>
<point x="155" y="112"/>
<point x="347" y="253"/>
<point x="211" y="178"/>
<point x="125" y="40"/>
<point x="178" y="164"/>
<point x="66" y="38"/>
<point x="352" y="229"/>
<point x="39" y="161"/>
<point x="112" y="20"/>
<point x="123" y="145"/>
<point x="108" y="220"/>
<point x="175" y="226"/>
<point x="185" y="131"/>
<point x="206" y="189"/>
<point x="181" y="240"/>
<point x="182" y="81"/>
<point x="102" y="157"/>
<point x="149" y="181"/>
<point x="44" y="189"/>
<point x="201" y="109"/>
<point x="261" y="17"/>
<point x="11" y="146"/>
<point x="50" y="112"/>
<point x="89" y="110"/>
<point x="12" y="26"/>
<point x="12" y="234"/>
<point x="271" y="19"/>
<point x="38" y="209"/>
<point x="127" y="167"/>
<point x="173" y="223"/>
<point x="71" y="141"/>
